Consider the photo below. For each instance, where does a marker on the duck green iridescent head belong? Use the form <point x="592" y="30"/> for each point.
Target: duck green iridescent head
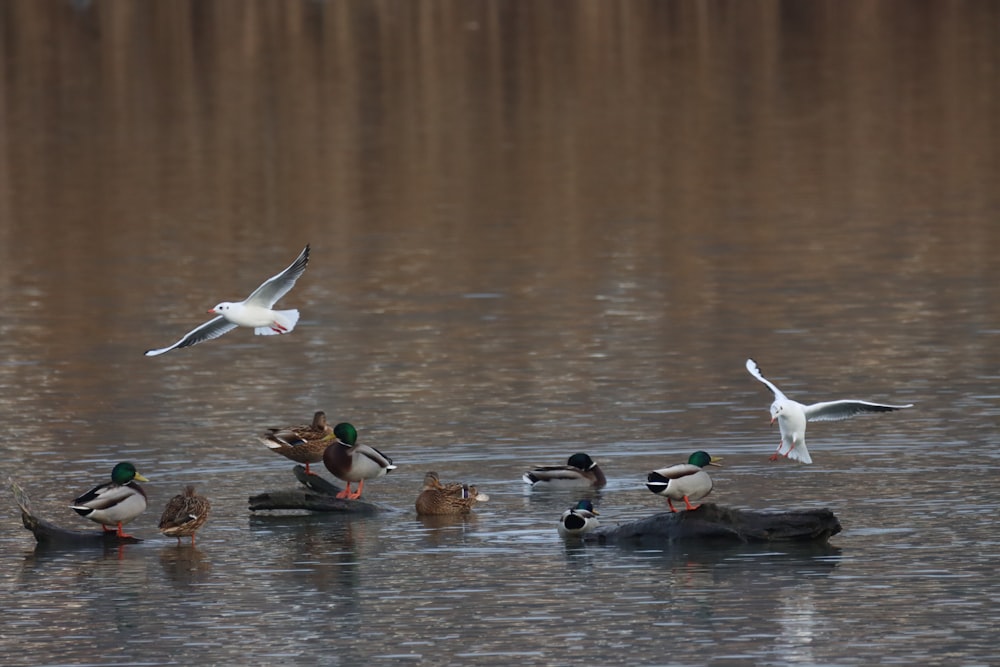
<point x="125" y="472"/>
<point x="702" y="459"/>
<point x="346" y="433"/>
<point x="586" y="506"/>
<point x="581" y="461"/>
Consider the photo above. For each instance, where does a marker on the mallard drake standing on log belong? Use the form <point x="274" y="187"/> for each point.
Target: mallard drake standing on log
<point x="351" y="462"/>
<point x="684" y="481"/>
<point x="116" y="503"/>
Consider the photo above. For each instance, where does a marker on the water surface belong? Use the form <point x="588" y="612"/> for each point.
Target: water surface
<point x="537" y="229"/>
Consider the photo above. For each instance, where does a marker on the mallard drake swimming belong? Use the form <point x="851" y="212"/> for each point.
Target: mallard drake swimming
<point x="438" y="499"/>
<point x="302" y="444"/>
<point x="351" y="462"/>
<point x="684" y="481"/>
<point x="184" y="515"/>
<point x="792" y="416"/>
<point x="580" y="472"/>
<point x="579" y="520"/>
<point x="115" y="503"/>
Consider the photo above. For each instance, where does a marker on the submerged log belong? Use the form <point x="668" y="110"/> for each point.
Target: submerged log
<point x="713" y="523"/>
<point x="49" y="534"/>
<point x="321" y="496"/>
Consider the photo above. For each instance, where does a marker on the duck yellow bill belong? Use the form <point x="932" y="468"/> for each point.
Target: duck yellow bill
<point x="140" y="478"/>
<point x="715" y="461"/>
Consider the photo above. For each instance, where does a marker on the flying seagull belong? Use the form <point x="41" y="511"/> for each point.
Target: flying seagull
<point x="254" y="311"/>
<point x="792" y="416"/>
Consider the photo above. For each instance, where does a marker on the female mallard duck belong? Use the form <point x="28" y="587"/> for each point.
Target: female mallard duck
<point x="579" y="520"/>
<point x="351" y="462"/>
<point x="302" y="444"/>
<point x="116" y="503"/>
<point x="438" y="499"/>
<point x="580" y="472"/>
<point x="184" y="515"/>
<point x="684" y="481"/>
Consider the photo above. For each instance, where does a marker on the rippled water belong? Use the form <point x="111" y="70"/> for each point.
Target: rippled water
<point x="537" y="229"/>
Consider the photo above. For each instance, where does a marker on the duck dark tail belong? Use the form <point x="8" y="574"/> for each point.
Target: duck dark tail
<point x="656" y="482"/>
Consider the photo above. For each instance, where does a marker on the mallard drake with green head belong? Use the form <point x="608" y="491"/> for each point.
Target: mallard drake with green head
<point x="116" y="503"/>
<point x="579" y="519"/>
<point x="580" y="472"/>
<point x="684" y="481"/>
<point x="439" y="499"/>
<point x="351" y="462"/>
<point x="184" y="515"/>
<point x="302" y="444"/>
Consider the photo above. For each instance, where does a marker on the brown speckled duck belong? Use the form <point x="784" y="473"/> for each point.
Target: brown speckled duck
<point x="184" y="515"/>
<point x="303" y="444"/>
<point x="351" y="462"/>
<point x="437" y="499"/>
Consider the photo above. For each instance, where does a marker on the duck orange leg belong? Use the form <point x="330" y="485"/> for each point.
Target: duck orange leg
<point x="346" y="493"/>
<point x="687" y="504"/>
<point x="355" y="496"/>
<point x="120" y="533"/>
<point x="671" y="505"/>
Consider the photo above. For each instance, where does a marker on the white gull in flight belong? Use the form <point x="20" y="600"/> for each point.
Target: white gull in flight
<point x="254" y="311"/>
<point x="792" y="416"/>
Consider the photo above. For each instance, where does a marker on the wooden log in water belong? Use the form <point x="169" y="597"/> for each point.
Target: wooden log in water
<point x="320" y="496"/>
<point x="714" y="523"/>
<point x="49" y="534"/>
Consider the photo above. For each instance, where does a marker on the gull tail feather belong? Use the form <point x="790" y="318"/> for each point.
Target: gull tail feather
<point x="284" y="322"/>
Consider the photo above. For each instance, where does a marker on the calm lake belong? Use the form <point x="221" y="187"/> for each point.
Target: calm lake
<point x="537" y="228"/>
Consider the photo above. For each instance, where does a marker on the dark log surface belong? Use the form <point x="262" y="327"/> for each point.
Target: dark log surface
<point x="49" y="534"/>
<point x="710" y="523"/>
<point x="319" y="496"/>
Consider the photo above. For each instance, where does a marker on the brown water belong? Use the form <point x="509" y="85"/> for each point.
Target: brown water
<point x="537" y="228"/>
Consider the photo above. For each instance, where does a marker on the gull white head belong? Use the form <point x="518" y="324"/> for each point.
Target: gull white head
<point x="777" y="410"/>
<point x="221" y="308"/>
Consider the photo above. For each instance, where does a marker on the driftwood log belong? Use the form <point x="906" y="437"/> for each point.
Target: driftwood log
<point x="49" y="534"/>
<point x="716" y="524"/>
<point x="319" y="495"/>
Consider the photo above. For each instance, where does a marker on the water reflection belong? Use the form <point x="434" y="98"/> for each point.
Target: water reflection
<point x="186" y="565"/>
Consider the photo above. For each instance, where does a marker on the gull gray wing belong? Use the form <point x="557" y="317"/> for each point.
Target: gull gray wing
<point x="278" y="286"/>
<point x="207" y="331"/>
<point x="828" y="411"/>
<point x="755" y="371"/>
